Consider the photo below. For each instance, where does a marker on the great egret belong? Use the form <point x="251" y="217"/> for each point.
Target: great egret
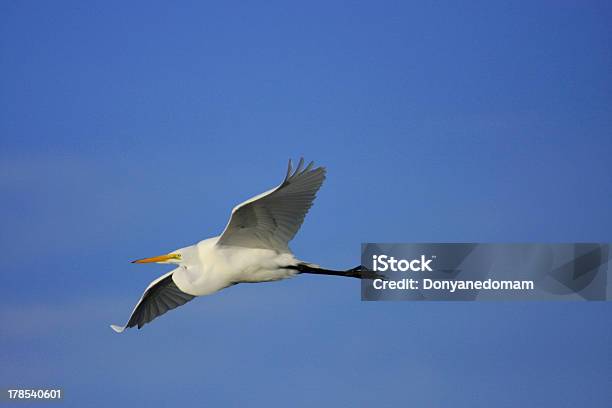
<point x="252" y="248"/>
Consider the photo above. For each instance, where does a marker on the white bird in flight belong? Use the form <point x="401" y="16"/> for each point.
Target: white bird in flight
<point x="252" y="248"/>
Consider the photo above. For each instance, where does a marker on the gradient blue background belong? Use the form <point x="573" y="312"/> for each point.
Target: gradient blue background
<point x="131" y="130"/>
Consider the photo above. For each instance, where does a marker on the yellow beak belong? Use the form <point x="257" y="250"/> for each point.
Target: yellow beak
<point x="161" y="258"/>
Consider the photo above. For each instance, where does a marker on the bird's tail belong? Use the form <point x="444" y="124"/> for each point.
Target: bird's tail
<point x="359" y="272"/>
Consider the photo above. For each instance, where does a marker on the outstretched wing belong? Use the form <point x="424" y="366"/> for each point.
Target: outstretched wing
<point x="271" y="219"/>
<point x="159" y="297"/>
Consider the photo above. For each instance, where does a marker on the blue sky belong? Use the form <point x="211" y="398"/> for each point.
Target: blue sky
<point x="131" y="130"/>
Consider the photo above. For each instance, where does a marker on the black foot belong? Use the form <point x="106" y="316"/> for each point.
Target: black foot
<point x="361" y="272"/>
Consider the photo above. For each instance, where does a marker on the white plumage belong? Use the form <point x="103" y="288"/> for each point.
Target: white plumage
<point x="252" y="248"/>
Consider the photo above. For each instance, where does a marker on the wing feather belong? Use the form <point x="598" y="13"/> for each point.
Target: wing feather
<point x="271" y="219"/>
<point x="160" y="296"/>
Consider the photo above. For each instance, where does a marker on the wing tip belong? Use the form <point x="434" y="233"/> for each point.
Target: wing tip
<point x="300" y="169"/>
<point x="117" y="329"/>
<point x="289" y="169"/>
<point x="300" y="166"/>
